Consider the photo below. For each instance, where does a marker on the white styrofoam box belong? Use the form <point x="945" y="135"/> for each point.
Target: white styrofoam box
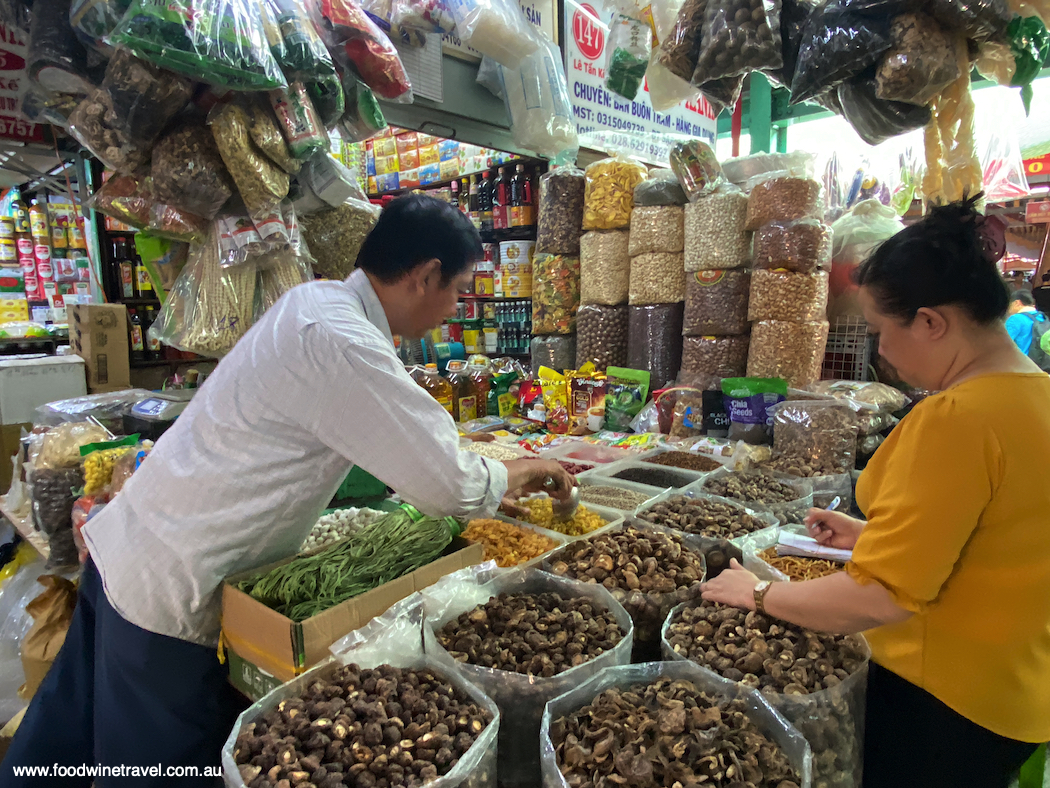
<point x="26" y="383"/>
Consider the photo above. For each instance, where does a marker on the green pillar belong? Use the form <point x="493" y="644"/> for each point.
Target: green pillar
<point x="760" y="125"/>
<point x="782" y="139"/>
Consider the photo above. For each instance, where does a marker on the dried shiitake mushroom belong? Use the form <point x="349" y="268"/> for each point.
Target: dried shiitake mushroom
<point x="667" y="733"/>
<point x="536" y="634"/>
<point x="648" y="572"/>
<point x="755" y="487"/>
<point x="801" y="672"/>
<point x="366" y="727"/>
<point x="703" y="517"/>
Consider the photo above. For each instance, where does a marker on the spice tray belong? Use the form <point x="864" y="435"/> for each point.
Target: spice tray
<point x="663" y="478"/>
<point x="666" y="448"/>
<point x="613" y="518"/>
<point x="587" y="453"/>
<point x="560" y="538"/>
<point x="601" y="481"/>
<point x="772" y="524"/>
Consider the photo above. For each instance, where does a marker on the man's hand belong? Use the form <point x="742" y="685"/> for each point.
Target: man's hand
<point x="528" y="476"/>
<point x="833" y="529"/>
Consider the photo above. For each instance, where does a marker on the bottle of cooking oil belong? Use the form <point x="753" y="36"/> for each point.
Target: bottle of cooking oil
<point x="482" y="377"/>
<point x="464" y="392"/>
<point x="438" y="388"/>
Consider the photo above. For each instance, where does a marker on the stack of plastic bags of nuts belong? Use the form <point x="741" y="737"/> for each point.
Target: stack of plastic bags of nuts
<point x="556" y="267"/>
<point x="717" y="284"/>
<point x="657" y="277"/>
<point x="789" y="285"/>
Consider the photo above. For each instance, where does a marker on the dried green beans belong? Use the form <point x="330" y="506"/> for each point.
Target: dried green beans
<point x="391" y="547"/>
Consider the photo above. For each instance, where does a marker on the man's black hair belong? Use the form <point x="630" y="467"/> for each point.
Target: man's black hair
<point x="1024" y="296"/>
<point x="416" y="228"/>
<point x="937" y="261"/>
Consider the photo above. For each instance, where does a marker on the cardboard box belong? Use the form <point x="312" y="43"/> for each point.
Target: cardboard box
<point x="98" y="333"/>
<point x="278" y="647"/>
<point x="448" y="150"/>
<point x="409" y="179"/>
<point x="431" y="173"/>
<point x="449" y="169"/>
<point x="387" y="183"/>
<point x="373" y="187"/>
<point x="370" y="163"/>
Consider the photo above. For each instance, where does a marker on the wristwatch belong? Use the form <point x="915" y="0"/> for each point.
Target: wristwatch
<point x="760" y="595"/>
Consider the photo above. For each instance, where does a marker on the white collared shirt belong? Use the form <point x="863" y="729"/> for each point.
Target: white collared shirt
<point x="312" y="389"/>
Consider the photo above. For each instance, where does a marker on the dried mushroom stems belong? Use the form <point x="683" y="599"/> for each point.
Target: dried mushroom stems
<point x="506" y="543"/>
<point x="667" y="733"/>
<point x="800" y="567"/>
<point x="381" y="726"/>
<point x="702" y="517"/>
<point x="534" y="634"/>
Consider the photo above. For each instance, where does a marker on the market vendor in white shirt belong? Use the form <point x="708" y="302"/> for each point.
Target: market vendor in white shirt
<point x="314" y="388"/>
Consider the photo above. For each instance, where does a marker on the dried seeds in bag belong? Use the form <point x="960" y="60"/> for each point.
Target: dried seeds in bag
<point x="715" y="234"/>
<point x="189" y="173"/>
<point x="657" y="278"/>
<point x="657" y="229"/>
<point x="920" y="63"/>
<point x="609" y="194"/>
<point x="222" y="42"/>
<point x="560" y="210"/>
<point x="837" y="44"/>
<point x="121" y="120"/>
<point x="261" y="184"/>
<point x="680" y="50"/>
<point x="605" y="267"/>
<point x="334" y="237"/>
<point x="710" y="358"/>
<point x="739" y="36"/>
<point x="660" y="188"/>
<point x="352" y="35"/>
<point x="300" y="123"/>
<point x="783" y="199"/>
<point x="555" y="293"/>
<point x="716" y="302"/>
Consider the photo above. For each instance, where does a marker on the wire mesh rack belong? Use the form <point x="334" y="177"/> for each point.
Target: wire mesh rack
<point x="849" y="351"/>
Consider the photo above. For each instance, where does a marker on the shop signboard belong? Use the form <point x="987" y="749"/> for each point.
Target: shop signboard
<point x="597" y="110"/>
<point x="1037" y="167"/>
<point x="1037" y="212"/>
<point x="13" y="84"/>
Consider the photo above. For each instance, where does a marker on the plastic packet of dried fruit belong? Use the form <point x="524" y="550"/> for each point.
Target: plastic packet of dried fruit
<point x="555" y="293"/>
<point x="354" y="38"/>
<point x="697" y="168"/>
<point x="609" y="194"/>
<point x="127" y="198"/>
<point x="521" y="696"/>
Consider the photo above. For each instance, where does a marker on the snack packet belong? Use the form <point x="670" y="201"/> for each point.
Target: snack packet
<point x="626" y="391"/>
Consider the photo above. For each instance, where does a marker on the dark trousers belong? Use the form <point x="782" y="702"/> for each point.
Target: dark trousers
<point x="118" y="695"/>
<point x="912" y="739"/>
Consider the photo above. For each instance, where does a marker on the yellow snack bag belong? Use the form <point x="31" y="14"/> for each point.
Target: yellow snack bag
<point x="555" y="399"/>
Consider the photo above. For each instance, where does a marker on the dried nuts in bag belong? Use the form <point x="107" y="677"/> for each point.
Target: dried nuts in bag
<point x="716" y="302"/>
<point x="786" y="295"/>
<point x="657" y="229"/>
<point x="788" y="350"/>
<point x="605" y="267"/>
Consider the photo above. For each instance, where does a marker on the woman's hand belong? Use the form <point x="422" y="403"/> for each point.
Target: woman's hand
<point x="734" y="586"/>
<point x="833" y="529"/>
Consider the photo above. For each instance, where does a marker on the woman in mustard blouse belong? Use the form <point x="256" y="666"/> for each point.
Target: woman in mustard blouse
<point x="950" y="577"/>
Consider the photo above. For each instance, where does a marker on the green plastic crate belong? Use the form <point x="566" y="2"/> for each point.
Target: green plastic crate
<point x="359" y="483"/>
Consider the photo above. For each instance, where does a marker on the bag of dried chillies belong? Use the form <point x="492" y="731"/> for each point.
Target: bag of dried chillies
<point x="355" y="39"/>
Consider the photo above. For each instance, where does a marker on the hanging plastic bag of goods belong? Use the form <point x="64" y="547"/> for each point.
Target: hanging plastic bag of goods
<point x="356" y="40"/>
<point x="495" y="28"/>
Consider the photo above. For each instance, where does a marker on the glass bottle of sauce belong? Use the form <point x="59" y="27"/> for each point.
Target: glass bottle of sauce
<point x="437" y="387"/>
<point x="485" y="202"/>
<point x="20" y="214"/>
<point x="521" y="199"/>
<point x="500" y="200"/>
<point x="464" y="392"/>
